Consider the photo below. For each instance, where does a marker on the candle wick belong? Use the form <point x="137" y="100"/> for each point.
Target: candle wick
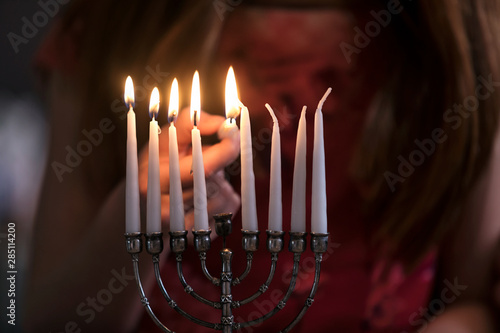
<point x="195" y="123"/>
<point x="172" y="116"/>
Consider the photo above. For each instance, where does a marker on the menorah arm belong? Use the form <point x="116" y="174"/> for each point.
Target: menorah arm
<point x="203" y="260"/>
<point x="282" y="303"/>
<point x="250" y="243"/>
<point x="188" y="289"/>
<point x="247" y="270"/>
<point x="144" y="300"/>
<point x="275" y="242"/>
<point x="171" y="302"/>
<point x="310" y="299"/>
<point x="263" y="288"/>
<point x="178" y="242"/>
<point x="134" y="247"/>
<point x="319" y="245"/>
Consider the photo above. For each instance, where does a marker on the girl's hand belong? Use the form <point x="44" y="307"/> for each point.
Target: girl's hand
<point x="221" y="196"/>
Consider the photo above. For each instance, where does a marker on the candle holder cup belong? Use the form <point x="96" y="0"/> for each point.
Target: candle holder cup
<point x="225" y="281"/>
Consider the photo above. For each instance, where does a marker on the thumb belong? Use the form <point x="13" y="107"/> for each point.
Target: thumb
<point x="215" y="158"/>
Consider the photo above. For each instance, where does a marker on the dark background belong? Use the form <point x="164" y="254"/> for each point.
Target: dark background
<point x="23" y="145"/>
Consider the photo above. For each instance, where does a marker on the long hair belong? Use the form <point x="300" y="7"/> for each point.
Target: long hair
<point x="434" y="56"/>
<point x="431" y="128"/>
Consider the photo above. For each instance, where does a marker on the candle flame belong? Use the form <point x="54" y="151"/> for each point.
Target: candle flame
<point x="173" y="106"/>
<point x="195" y="99"/>
<point x="129" y="93"/>
<point x="154" y="103"/>
<point x="232" y="101"/>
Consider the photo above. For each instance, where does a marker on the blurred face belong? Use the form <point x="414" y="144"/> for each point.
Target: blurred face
<point x="288" y="58"/>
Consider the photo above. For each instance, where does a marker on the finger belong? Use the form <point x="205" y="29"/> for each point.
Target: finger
<point x="228" y="148"/>
<point x="189" y="220"/>
<point x="187" y="203"/>
<point x="143" y="171"/>
<point x="222" y="197"/>
<point x="208" y="125"/>
<point x="220" y="155"/>
<point x="218" y="185"/>
<point x="165" y="211"/>
<point x="215" y="158"/>
<point x="188" y="199"/>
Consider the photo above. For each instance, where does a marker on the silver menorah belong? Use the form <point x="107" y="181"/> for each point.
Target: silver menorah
<point x="250" y="244"/>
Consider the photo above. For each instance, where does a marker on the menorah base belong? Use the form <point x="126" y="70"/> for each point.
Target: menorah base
<point x="250" y="243"/>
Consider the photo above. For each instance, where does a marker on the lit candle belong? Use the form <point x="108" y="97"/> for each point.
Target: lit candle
<point x="275" y="213"/>
<point x="298" y="220"/>
<point x="233" y="103"/>
<point x="154" y="193"/>
<point x="176" y="203"/>
<point x="318" y="204"/>
<point x="132" y="210"/>
<point x="199" y="186"/>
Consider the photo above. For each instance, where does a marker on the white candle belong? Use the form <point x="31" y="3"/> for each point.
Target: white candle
<point x="199" y="185"/>
<point x="233" y="104"/>
<point x="298" y="219"/>
<point x="248" y="203"/>
<point x="176" y="202"/>
<point x="132" y="210"/>
<point x="318" y="205"/>
<point x="275" y="213"/>
<point x="154" y="193"/>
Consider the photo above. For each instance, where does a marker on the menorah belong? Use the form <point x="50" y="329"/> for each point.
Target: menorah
<point x="226" y="304"/>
